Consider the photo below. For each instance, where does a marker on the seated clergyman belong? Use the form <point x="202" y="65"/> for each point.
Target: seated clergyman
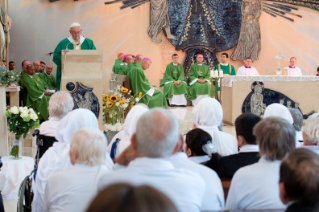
<point x="127" y="64"/>
<point x="292" y="70"/>
<point x="175" y="87"/>
<point x="38" y="96"/>
<point x="117" y="63"/>
<point x="142" y="87"/>
<point x="48" y="77"/>
<point x="199" y="80"/>
<point x="247" y="69"/>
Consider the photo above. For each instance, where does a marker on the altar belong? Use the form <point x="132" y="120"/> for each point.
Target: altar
<point x="252" y="94"/>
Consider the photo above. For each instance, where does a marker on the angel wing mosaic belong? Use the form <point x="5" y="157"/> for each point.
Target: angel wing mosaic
<point x="210" y="26"/>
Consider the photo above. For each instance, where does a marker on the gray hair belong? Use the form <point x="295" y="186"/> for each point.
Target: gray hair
<point x="311" y="129"/>
<point x="276" y="137"/>
<point x="60" y="104"/>
<point x="297" y="117"/>
<point x="91" y="146"/>
<point x="157" y="133"/>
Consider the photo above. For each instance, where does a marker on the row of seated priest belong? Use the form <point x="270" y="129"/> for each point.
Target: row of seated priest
<point x="38" y="84"/>
<point x="268" y="169"/>
<point x="176" y="89"/>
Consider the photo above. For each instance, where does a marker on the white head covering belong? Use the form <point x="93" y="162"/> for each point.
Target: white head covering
<point x="208" y="116"/>
<point x="74" y="25"/>
<point x="278" y="110"/>
<point x="57" y="157"/>
<point x="130" y="127"/>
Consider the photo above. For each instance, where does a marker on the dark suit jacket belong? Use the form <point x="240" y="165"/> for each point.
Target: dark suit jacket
<point x="303" y="207"/>
<point x="227" y="166"/>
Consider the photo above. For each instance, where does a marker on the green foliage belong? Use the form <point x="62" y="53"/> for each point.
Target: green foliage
<point x="9" y="77"/>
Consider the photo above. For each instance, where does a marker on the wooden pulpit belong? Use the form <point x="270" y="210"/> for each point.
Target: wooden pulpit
<point x="82" y="78"/>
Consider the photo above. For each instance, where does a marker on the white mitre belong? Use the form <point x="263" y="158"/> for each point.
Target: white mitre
<point x="75" y="24"/>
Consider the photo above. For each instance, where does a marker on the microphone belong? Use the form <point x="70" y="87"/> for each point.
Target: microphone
<point x="50" y="53"/>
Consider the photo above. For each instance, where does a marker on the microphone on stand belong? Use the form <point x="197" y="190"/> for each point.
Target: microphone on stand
<point x="51" y="53"/>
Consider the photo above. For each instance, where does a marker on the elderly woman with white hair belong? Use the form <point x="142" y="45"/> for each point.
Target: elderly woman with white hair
<point x="279" y="110"/>
<point x="73" y="189"/>
<point x="311" y="133"/>
<point x="57" y="157"/>
<point x="208" y="116"/>
<point x="60" y="104"/>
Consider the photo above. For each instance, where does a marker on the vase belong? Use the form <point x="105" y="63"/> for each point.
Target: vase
<point x="17" y="145"/>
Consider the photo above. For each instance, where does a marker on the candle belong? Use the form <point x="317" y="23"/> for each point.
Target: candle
<point x="221" y="73"/>
<point x="212" y="74"/>
<point x="216" y="73"/>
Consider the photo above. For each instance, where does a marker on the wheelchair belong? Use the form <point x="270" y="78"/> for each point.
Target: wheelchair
<point x="25" y="191"/>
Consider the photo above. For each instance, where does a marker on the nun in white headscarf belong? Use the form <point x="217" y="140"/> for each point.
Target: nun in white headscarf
<point x="208" y="116"/>
<point x="57" y="158"/>
<point x="116" y="147"/>
<point x="279" y="110"/>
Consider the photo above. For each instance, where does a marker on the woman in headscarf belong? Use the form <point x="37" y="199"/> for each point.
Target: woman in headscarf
<point x="123" y="139"/>
<point x="279" y="110"/>
<point x="208" y="116"/>
<point x="57" y="158"/>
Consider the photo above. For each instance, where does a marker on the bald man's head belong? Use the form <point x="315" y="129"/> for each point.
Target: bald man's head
<point x="49" y="69"/>
<point x="37" y="66"/>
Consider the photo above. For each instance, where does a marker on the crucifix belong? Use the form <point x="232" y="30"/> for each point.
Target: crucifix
<point x="199" y="72"/>
<point x="279" y="57"/>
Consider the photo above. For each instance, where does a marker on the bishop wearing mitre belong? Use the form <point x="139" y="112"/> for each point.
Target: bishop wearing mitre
<point x="74" y="42"/>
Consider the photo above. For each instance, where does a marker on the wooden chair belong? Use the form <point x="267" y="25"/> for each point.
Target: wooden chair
<point x="226" y="185"/>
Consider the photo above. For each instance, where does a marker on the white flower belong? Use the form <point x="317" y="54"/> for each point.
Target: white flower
<point x="33" y="116"/>
<point x="127" y="100"/>
<point x="105" y="127"/>
<point x="14" y="110"/>
<point x="110" y="115"/>
<point x="117" y="104"/>
<point x="113" y="128"/>
<point x="137" y="99"/>
<point x="24" y="114"/>
<point x="125" y="105"/>
<point x="118" y="87"/>
<point x="31" y="110"/>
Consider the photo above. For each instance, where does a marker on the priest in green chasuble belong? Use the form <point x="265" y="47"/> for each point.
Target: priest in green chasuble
<point x="175" y="87"/>
<point x="47" y="77"/>
<point x="38" y="96"/>
<point x="142" y="88"/>
<point x="74" y="42"/>
<point x="225" y="67"/>
<point x="199" y="80"/>
<point x="118" y="61"/>
<point x="126" y="64"/>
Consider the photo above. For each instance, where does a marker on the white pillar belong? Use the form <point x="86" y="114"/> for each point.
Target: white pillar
<point x="3" y="123"/>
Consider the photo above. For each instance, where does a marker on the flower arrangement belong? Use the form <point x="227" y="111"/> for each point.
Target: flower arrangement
<point x="9" y="77"/>
<point x="20" y="120"/>
<point x="115" y="105"/>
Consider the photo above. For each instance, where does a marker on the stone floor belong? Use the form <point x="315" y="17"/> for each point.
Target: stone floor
<point x="184" y="115"/>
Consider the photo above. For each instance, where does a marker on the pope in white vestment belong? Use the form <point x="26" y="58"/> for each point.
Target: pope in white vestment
<point x="186" y="189"/>
<point x="208" y="116"/>
<point x="293" y="71"/>
<point x="214" y="196"/>
<point x="247" y="71"/>
<point x="57" y="157"/>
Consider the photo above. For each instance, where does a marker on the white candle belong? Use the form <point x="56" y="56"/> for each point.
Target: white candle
<point x="212" y="74"/>
<point x="216" y="73"/>
<point x="221" y="73"/>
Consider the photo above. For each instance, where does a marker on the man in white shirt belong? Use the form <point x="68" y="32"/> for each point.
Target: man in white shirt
<point x="247" y="69"/>
<point x="292" y="70"/>
<point x="74" y="188"/>
<point x="214" y="196"/>
<point x="60" y="104"/>
<point x="156" y="139"/>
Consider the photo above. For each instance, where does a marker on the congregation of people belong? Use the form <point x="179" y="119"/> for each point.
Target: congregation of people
<point x="156" y="168"/>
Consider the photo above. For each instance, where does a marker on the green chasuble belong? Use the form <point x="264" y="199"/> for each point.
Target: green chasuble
<point x="22" y="78"/>
<point x="116" y="66"/>
<point x="129" y="66"/>
<point x="140" y="84"/>
<point x="49" y="80"/>
<point x="57" y="56"/>
<point x="36" y="89"/>
<point x="227" y="70"/>
<point x="174" y="73"/>
<point x="198" y="72"/>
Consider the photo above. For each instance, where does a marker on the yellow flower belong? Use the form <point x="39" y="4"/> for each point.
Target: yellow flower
<point x="110" y="104"/>
<point x="113" y="98"/>
<point x="140" y="94"/>
<point x="105" y="98"/>
<point x="124" y="90"/>
<point x="122" y="101"/>
<point x="132" y="106"/>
